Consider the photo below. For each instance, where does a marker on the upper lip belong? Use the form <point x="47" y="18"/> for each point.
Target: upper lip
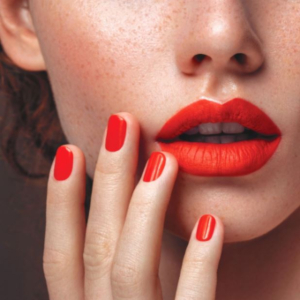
<point x="205" y="111"/>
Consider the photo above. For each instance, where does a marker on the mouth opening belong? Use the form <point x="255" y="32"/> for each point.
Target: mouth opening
<point x="222" y="138"/>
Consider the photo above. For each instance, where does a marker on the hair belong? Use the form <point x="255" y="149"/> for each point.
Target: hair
<point x="29" y="116"/>
<point x="28" y="108"/>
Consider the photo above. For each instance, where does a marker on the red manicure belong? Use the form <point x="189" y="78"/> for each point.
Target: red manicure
<point x="63" y="163"/>
<point x="205" y="228"/>
<point x="116" y="131"/>
<point x="155" y="166"/>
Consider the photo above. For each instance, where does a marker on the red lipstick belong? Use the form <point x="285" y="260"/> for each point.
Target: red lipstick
<point x="210" y="159"/>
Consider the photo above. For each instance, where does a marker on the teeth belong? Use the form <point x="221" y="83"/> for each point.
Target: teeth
<point x="233" y="128"/>
<point x="219" y="139"/>
<point x="225" y="139"/>
<point x="212" y="139"/>
<point x="216" y="128"/>
<point x="210" y="128"/>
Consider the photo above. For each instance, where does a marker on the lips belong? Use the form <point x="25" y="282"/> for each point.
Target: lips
<point x="208" y="159"/>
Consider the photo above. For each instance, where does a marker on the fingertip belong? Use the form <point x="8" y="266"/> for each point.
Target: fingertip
<point x="208" y="227"/>
<point x="67" y="177"/>
<point x="219" y="227"/>
<point x="171" y="161"/>
<point x="69" y="161"/>
<point x="132" y="121"/>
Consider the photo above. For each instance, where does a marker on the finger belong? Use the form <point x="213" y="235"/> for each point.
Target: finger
<point x="113" y="185"/>
<point x="136" y="263"/>
<point x="198" y="276"/>
<point x="65" y="225"/>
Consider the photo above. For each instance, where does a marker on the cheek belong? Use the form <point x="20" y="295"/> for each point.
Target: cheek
<point x="94" y="64"/>
<point x="99" y="63"/>
<point x="103" y="52"/>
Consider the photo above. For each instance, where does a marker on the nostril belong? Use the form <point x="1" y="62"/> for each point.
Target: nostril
<point x="199" y="57"/>
<point x="240" y="58"/>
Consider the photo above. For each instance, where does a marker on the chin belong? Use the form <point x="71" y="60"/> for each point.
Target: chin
<point x="238" y="227"/>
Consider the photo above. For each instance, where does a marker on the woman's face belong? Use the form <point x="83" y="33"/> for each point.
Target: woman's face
<point x="104" y="57"/>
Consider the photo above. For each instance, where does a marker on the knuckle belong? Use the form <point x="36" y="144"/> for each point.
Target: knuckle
<point x="145" y="199"/>
<point x="110" y="168"/>
<point x="98" y="253"/>
<point x="125" y="278"/>
<point x="198" y="261"/>
<point x="143" y="205"/>
<point x="55" y="263"/>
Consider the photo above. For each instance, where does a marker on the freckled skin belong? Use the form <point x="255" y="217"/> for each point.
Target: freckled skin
<point x="104" y="57"/>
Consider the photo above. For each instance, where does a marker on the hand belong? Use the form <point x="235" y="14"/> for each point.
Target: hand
<point x="116" y="255"/>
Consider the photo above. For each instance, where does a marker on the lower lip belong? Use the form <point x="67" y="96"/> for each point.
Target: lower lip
<point x="232" y="159"/>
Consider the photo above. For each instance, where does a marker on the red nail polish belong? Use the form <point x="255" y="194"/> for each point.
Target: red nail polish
<point x="116" y="131"/>
<point x="155" y="166"/>
<point x="205" y="228"/>
<point x="63" y="163"/>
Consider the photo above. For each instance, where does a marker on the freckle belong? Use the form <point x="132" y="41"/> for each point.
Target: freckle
<point x="87" y="108"/>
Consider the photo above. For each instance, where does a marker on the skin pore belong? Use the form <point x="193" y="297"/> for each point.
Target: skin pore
<point x="105" y="56"/>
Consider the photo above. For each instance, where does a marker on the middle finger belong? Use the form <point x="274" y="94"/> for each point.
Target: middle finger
<point x="113" y="184"/>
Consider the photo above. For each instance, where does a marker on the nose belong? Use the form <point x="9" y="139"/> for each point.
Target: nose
<point x="217" y="36"/>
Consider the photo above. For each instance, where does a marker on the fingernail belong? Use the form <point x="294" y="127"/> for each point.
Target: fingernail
<point x="155" y="166"/>
<point x="206" y="227"/>
<point x="116" y="131"/>
<point x="63" y="163"/>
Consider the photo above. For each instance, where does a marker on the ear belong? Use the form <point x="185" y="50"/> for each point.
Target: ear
<point x="18" y="37"/>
